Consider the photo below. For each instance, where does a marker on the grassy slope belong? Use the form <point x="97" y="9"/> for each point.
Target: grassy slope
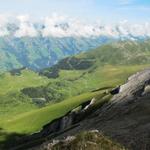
<point x="107" y="76"/>
<point x="109" y="70"/>
<point x="34" y="120"/>
<point x="10" y="83"/>
<point x="12" y="101"/>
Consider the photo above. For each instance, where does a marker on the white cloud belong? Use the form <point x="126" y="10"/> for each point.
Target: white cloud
<point x="3" y="22"/>
<point x="52" y="26"/>
<point x="127" y="29"/>
<point x="63" y="26"/>
<point x="26" y="28"/>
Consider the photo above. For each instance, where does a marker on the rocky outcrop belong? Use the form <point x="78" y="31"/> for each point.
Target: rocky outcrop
<point x="71" y="118"/>
<point x="135" y="85"/>
<point x="126" y="118"/>
<point x="59" y="124"/>
<point x="93" y="140"/>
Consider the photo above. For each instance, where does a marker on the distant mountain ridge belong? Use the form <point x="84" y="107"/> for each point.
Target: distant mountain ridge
<point x="41" y="52"/>
<point x="116" y="53"/>
<point x="38" y="45"/>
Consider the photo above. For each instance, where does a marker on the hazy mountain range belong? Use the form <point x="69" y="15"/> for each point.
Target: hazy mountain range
<point x="39" y="52"/>
<point x="36" y="45"/>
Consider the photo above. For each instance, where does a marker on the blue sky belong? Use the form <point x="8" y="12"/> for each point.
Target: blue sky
<point x="92" y="10"/>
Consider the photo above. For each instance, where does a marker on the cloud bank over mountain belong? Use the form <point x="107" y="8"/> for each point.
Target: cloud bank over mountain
<point x="63" y="26"/>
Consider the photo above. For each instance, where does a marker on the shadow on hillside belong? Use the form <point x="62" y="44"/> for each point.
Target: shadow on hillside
<point x="9" y="140"/>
